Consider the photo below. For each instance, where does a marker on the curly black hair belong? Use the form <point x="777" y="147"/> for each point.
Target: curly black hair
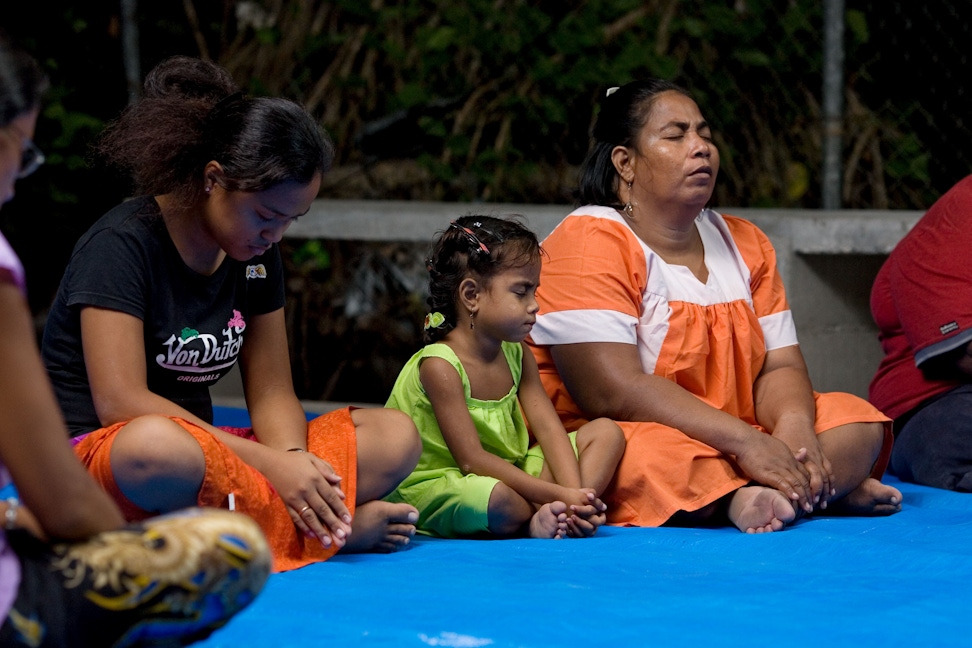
<point x="478" y="246"/>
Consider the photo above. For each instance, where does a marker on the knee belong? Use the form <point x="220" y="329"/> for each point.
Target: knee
<point x="508" y="511"/>
<point x="874" y="433"/>
<point x="155" y="446"/>
<point x="394" y="437"/>
<point x="404" y="442"/>
<point x="603" y="433"/>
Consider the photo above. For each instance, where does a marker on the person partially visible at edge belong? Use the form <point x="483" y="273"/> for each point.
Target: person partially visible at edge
<point x="921" y="302"/>
<point x="670" y="318"/>
<point x="71" y="572"/>
<point x="166" y="292"/>
<point x="474" y="391"/>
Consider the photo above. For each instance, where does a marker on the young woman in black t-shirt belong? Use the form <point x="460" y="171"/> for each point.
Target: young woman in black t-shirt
<point x="167" y="291"/>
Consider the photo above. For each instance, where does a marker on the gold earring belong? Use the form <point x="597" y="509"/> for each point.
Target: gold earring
<point x="628" y="208"/>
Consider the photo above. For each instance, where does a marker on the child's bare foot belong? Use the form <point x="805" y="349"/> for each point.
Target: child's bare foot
<point x="870" y="498"/>
<point x="550" y="521"/>
<point x="758" y="509"/>
<point x="381" y="527"/>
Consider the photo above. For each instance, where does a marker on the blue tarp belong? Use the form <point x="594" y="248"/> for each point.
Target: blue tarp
<point x="900" y="580"/>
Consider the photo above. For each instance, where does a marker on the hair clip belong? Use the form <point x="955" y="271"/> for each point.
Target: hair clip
<point x="479" y="245"/>
<point x="611" y="91"/>
<point x="434" y="320"/>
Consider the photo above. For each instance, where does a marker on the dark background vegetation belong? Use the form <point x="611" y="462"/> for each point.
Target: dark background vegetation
<point x="492" y="101"/>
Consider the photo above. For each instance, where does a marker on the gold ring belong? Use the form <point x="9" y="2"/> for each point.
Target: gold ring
<point x="301" y="512"/>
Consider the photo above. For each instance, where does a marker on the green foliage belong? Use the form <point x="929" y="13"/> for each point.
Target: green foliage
<point x="487" y="85"/>
<point x="496" y="98"/>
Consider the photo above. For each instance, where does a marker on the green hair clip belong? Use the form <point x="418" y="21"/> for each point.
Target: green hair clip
<point x="434" y="320"/>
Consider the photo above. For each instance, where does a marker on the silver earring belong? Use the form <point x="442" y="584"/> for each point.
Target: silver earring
<point x="472" y="319"/>
<point x="628" y="209"/>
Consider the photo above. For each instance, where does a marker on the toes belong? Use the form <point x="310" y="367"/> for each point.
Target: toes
<point x="405" y="516"/>
<point x="401" y="529"/>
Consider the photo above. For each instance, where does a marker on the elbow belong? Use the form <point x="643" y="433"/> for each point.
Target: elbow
<point x="112" y="410"/>
<point x="604" y="403"/>
<point x="471" y="464"/>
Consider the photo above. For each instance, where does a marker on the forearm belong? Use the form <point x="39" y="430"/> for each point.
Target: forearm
<point x="72" y="506"/>
<point x="656" y="399"/>
<point x="530" y="488"/>
<point x="784" y="399"/>
<point x="279" y="420"/>
<point x="51" y="482"/>
<point x="558" y="455"/>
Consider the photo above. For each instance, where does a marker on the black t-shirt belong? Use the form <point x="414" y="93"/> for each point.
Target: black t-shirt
<point x="194" y="324"/>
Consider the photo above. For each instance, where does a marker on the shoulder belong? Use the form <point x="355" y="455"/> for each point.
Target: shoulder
<point x="440" y="371"/>
<point x="137" y="222"/>
<point x="592" y="240"/>
<point x="942" y="233"/>
<point x="591" y="221"/>
<point x="740" y="229"/>
<point x="513" y="351"/>
<point x="751" y="242"/>
<point x="437" y="358"/>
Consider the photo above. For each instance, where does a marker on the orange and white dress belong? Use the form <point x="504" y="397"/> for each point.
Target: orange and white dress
<point x="601" y="283"/>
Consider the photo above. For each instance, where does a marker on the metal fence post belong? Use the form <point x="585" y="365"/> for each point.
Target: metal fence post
<point x="833" y="95"/>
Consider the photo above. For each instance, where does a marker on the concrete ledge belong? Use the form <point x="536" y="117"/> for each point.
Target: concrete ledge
<point x="807" y="231"/>
<point x="399" y="220"/>
<point x="828" y="261"/>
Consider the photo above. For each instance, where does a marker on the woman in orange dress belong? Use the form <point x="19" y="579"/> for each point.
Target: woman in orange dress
<point x="671" y="319"/>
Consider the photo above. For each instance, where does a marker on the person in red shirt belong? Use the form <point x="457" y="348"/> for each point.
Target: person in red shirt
<point x="922" y="303"/>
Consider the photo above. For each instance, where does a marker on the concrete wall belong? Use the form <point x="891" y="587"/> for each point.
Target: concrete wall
<point x="828" y="260"/>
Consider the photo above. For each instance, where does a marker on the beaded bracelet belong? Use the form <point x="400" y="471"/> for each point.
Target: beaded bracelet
<point x="10" y="515"/>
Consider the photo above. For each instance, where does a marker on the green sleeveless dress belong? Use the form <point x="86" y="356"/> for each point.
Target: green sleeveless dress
<point x="450" y="503"/>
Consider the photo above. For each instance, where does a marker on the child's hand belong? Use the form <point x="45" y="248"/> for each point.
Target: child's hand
<point x="584" y="519"/>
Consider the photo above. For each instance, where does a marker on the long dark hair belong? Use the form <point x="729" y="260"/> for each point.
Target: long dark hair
<point x="22" y="83"/>
<point x="477" y="246"/>
<point x="193" y="113"/>
<point x="623" y="114"/>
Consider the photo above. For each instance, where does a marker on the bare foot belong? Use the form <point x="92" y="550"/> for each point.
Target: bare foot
<point x="381" y="527"/>
<point x="870" y="498"/>
<point x="550" y="521"/>
<point x="758" y="509"/>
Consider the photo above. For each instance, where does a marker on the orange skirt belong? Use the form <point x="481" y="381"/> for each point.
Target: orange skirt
<point x="664" y="471"/>
<point x="331" y="437"/>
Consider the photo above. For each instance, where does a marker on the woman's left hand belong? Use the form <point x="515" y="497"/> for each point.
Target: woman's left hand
<point x="311" y="490"/>
<point x="798" y="437"/>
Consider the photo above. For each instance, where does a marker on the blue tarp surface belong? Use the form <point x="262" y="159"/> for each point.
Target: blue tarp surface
<point x="903" y="580"/>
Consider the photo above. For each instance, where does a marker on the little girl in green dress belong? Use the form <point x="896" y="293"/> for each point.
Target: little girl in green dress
<point x="475" y="388"/>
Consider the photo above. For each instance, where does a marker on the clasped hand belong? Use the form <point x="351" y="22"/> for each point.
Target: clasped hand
<point x="817" y="464"/>
<point x="587" y="512"/>
<point x="770" y="462"/>
<point x="311" y="491"/>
